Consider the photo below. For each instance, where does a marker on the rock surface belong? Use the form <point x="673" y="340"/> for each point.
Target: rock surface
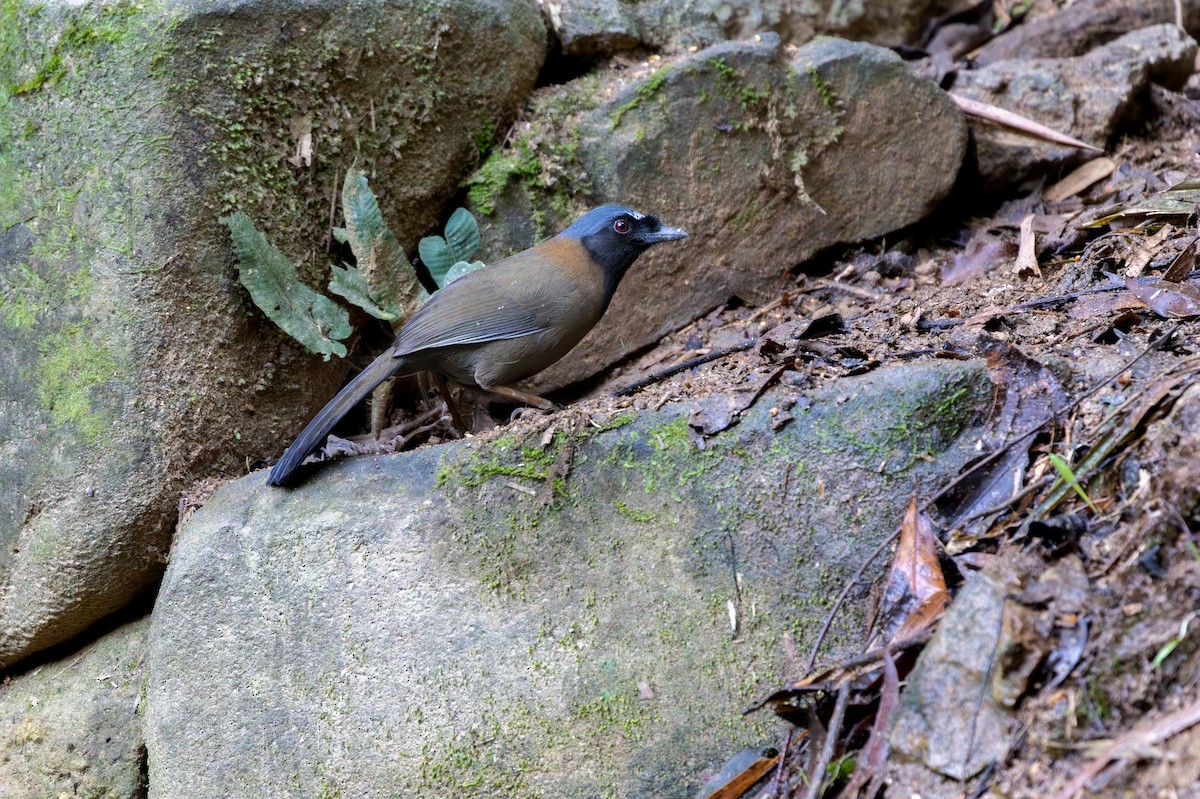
<point x="424" y="625"/>
<point x="70" y="728"/>
<point x="1089" y="97"/>
<point x="764" y="154"/>
<point x="594" y="28"/>
<point x="131" y="362"/>
<point x="1082" y="26"/>
<point x="950" y="720"/>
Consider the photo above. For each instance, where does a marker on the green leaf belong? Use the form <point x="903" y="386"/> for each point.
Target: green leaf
<point x="348" y="282"/>
<point x="436" y="256"/>
<point x="310" y="318"/>
<point x="461" y="268"/>
<point x="1068" y="477"/>
<point x="381" y="261"/>
<point x="340" y="235"/>
<point x="462" y="235"/>
<point x="1170" y="646"/>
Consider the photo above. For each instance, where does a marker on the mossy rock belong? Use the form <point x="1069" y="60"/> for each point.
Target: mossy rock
<point x="132" y="362"/>
<point x="71" y="726"/>
<point x="507" y="618"/>
<point x="764" y="154"/>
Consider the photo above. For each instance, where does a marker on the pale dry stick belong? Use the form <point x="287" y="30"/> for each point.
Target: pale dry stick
<point x="1132" y="744"/>
<point x="1014" y="121"/>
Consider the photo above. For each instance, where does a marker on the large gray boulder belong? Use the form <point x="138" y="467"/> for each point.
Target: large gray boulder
<point x="71" y="727"/>
<point x="132" y="363"/>
<point x="582" y="617"/>
<point x="1090" y="97"/>
<point x="765" y="154"/>
<point x="594" y="28"/>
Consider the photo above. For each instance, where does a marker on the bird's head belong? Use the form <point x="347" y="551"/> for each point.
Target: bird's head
<point x="614" y="236"/>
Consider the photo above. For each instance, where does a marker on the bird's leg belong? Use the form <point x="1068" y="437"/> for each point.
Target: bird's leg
<point x="381" y="398"/>
<point x="455" y="414"/>
<point x="521" y="396"/>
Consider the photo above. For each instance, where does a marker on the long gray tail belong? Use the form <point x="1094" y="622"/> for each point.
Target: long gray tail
<point x="313" y="435"/>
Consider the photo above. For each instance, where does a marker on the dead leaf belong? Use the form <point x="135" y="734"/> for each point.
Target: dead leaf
<point x="873" y="758"/>
<point x="1082" y="177"/>
<point x="300" y="127"/>
<point x="976" y="259"/>
<point x="916" y="586"/>
<point x="1180" y="201"/>
<point x="744" y="771"/>
<point x="1028" y="394"/>
<point x="1068" y="651"/>
<point x="1144" y="252"/>
<point x="1184" y="263"/>
<point x="1107" y="305"/>
<point x="716" y="413"/>
<point x="1168" y="300"/>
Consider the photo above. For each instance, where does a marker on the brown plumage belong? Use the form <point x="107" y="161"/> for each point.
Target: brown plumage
<point x="505" y="322"/>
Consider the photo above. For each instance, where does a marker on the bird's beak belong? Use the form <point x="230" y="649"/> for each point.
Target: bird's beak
<point x="664" y="233"/>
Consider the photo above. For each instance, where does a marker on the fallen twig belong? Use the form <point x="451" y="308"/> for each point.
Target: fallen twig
<point x="1133" y="744"/>
<point x="650" y="380"/>
<point x="1015" y="121"/>
<point x="816" y="780"/>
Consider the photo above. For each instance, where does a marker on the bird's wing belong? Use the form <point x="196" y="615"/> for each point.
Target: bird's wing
<point x="481" y="306"/>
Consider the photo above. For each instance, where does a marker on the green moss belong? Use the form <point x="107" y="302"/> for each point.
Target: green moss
<point x="82" y="33"/>
<point x="505" y="457"/>
<point x="618" y="713"/>
<point x="732" y="85"/>
<point x="23" y="297"/>
<point x="916" y="434"/>
<point x="73" y="365"/>
<point x="542" y="158"/>
<point x="466" y="766"/>
<point x="645" y="91"/>
<point x="639" y="516"/>
<point x="615" y="423"/>
<point x="485" y="186"/>
<point x="828" y="96"/>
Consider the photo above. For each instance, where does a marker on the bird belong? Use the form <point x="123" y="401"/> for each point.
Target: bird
<point x="504" y="322"/>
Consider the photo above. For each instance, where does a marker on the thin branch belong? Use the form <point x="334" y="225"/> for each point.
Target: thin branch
<point x="816" y="780"/>
<point x="1132" y="744"/>
<point x="657" y="377"/>
<point x="1014" y="121"/>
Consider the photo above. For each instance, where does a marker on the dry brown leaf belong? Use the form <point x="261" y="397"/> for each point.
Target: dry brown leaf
<point x="1144" y="252"/>
<point x="873" y="758"/>
<point x="916" y="586"/>
<point x="976" y="259"/>
<point x="1168" y="300"/>
<point x="1184" y="263"/>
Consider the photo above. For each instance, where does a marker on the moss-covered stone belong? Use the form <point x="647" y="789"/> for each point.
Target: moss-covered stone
<point x="132" y="362"/>
<point x="766" y="156"/>
<point x="70" y="728"/>
<point x="438" y="622"/>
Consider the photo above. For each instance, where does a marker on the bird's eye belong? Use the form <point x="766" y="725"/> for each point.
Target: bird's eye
<point x="621" y="226"/>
